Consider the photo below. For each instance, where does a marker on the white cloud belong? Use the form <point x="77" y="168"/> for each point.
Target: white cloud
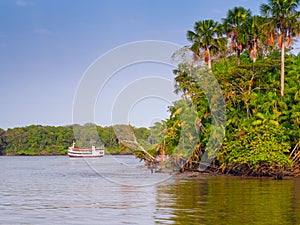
<point x="43" y="31"/>
<point x="22" y="3"/>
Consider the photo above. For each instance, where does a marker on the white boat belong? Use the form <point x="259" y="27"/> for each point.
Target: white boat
<point x="85" y="152"/>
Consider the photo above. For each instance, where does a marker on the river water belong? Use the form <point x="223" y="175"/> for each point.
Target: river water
<point x="118" y="190"/>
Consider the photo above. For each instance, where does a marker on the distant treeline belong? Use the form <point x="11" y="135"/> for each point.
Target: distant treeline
<point x="51" y="140"/>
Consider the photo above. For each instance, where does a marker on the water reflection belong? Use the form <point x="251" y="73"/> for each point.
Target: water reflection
<point x="228" y="200"/>
<point x="56" y="190"/>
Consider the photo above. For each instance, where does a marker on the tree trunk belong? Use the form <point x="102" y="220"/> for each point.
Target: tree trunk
<point x="239" y="56"/>
<point x="209" y="60"/>
<point x="282" y="69"/>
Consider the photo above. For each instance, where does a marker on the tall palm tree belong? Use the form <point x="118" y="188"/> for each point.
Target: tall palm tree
<point x="233" y="24"/>
<point x="207" y="36"/>
<point x="283" y="17"/>
<point x="250" y="36"/>
<point x="256" y="36"/>
<point x="267" y="36"/>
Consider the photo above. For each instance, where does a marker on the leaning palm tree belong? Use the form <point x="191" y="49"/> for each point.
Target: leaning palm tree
<point x="207" y="37"/>
<point x="233" y="24"/>
<point x="283" y="17"/>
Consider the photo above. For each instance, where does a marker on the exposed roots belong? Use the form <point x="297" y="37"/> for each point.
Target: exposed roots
<point x="275" y="171"/>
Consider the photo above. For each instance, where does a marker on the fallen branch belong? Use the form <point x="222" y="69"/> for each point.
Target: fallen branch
<point x="294" y="149"/>
<point x="139" y="147"/>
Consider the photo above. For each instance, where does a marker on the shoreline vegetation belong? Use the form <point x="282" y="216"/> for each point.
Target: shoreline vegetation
<point x="250" y="57"/>
<point x="51" y="140"/>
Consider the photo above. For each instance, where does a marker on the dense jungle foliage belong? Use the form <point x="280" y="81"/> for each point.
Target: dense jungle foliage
<point x="261" y="87"/>
<point x="50" y="140"/>
<point x="262" y="129"/>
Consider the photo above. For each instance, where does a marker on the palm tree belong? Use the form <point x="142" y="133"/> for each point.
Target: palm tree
<point x="206" y="36"/>
<point x="267" y="36"/>
<point x="233" y="24"/>
<point x="283" y="17"/>
<point x="253" y="35"/>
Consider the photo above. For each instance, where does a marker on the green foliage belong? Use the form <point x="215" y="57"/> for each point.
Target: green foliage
<point x="50" y="140"/>
<point x="262" y="126"/>
<point x="255" y="108"/>
<point x="207" y="37"/>
<point x="37" y="140"/>
<point x="261" y="144"/>
<point x="2" y="142"/>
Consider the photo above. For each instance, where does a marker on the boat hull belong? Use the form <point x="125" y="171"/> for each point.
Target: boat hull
<point x="85" y="152"/>
<point x="84" y="156"/>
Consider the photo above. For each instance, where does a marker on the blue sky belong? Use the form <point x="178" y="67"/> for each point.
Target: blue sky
<point x="47" y="45"/>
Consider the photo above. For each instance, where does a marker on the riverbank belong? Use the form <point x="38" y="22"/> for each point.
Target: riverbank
<point x="193" y="174"/>
<point x="275" y="174"/>
<point x="11" y="155"/>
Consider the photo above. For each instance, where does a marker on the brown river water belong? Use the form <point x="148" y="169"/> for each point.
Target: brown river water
<point x="119" y="190"/>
